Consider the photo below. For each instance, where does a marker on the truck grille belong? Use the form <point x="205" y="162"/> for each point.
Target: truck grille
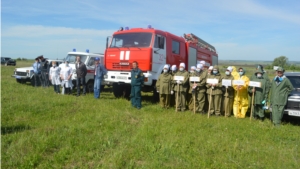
<point x="122" y="65"/>
<point x="21" y="73"/>
<point x="293" y="105"/>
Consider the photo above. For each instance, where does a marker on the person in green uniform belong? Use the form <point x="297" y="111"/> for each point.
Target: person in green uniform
<point x="265" y="76"/>
<point x="164" y="87"/>
<point x="189" y="91"/>
<point x="227" y="99"/>
<point x="260" y="94"/>
<point x="199" y="89"/>
<point x="215" y="92"/>
<point x="280" y="89"/>
<point x="180" y="87"/>
<point x="137" y="81"/>
<point x="173" y="71"/>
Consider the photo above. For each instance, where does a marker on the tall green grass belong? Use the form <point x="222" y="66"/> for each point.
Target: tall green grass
<point x="40" y="129"/>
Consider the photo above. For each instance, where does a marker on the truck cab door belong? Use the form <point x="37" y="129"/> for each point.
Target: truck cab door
<point x="159" y="53"/>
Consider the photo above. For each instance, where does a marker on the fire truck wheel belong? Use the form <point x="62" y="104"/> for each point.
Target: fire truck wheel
<point x="117" y="90"/>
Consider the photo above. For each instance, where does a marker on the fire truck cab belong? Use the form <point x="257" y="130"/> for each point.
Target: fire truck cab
<point x="152" y="49"/>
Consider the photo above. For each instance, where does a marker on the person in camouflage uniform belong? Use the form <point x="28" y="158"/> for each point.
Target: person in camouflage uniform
<point x="280" y="89"/>
<point x="172" y="72"/>
<point x="164" y="87"/>
<point x="260" y="94"/>
<point x="227" y="99"/>
<point x="180" y="87"/>
<point x="199" y="89"/>
<point x="215" y="92"/>
<point x="189" y="93"/>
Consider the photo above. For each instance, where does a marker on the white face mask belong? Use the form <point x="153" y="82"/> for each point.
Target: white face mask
<point x="258" y="75"/>
<point x="192" y="71"/>
<point x="198" y="70"/>
<point x="165" y="71"/>
<point x="227" y="73"/>
<point x="181" y="69"/>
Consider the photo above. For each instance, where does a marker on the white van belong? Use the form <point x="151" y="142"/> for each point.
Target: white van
<point x="89" y="60"/>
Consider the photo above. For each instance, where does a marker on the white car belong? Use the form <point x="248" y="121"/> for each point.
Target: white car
<point x="89" y="60"/>
<point x="25" y="74"/>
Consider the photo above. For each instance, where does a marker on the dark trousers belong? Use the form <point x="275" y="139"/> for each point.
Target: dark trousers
<point x="80" y="81"/>
<point x="56" y="88"/>
<point x="44" y="79"/>
<point x="136" y="97"/>
<point x="37" y="77"/>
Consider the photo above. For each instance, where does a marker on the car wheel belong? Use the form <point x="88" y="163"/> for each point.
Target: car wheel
<point x="90" y="86"/>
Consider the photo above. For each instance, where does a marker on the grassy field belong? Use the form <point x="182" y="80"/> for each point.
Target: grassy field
<point x="40" y="129"/>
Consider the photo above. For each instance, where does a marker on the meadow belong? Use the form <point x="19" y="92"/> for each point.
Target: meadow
<point x="41" y="129"/>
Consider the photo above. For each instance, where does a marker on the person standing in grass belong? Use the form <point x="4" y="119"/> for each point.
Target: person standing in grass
<point x="137" y="81"/>
<point x="189" y="91"/>
<point x="100" y="71"/>
<point x="181" y="87"/>
<point x="37" y="71"/>
<point x="164" y="87"/>
<point x="260" y="94"/>
<point x="227" y="101"/>
<point x="199" y="89"/>
<point x="81" y="72"/>
<point x="66" y="77"/>
<point x="54" y="73"/>
<point x="280" y="89"/>
<point x="172" y="98"/>
<point x="240" y="104"/>
<point x="215" y="92"/>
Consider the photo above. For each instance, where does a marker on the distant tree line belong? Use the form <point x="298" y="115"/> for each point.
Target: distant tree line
<point x="282" y="61"/>
<point x="21" y="59"/>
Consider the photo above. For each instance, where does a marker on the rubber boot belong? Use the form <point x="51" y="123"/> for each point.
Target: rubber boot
<point x="235" y="111"/>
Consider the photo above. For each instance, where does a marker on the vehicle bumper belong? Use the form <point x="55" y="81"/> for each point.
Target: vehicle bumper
<point x="292" y="112"/>
<point x="20" y="77"/>
<point x="124" y="77"/>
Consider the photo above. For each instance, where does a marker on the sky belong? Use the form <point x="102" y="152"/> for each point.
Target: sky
<point x="239" y="30"/>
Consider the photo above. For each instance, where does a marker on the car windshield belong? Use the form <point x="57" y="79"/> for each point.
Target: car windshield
<point x="295" y="80"/>
<point x="7" y="59"/>
<point x="72" y="58"/>
<point x="131" y="40"/>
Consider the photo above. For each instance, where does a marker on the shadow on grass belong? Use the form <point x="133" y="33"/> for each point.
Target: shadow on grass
<point x="14" y="129"/>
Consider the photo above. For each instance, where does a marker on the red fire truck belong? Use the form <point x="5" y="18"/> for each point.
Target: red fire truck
<point x="152" y="49"/>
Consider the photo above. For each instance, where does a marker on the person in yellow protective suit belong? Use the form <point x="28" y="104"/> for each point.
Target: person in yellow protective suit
<point x="234" y="73"/>
<point x="240" y="104"/>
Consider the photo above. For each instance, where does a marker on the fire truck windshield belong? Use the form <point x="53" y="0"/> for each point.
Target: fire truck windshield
<point x="131" y="40"/>
<point x="72" y="58"/>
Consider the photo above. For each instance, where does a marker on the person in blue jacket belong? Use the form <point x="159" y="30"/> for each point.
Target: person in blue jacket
<point x="37" y="71"/>
<point x="100" y="71"/>
<point x="137" y="81"/>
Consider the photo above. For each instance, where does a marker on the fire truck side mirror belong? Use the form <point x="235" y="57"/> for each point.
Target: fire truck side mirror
<point x="108" y="41"/>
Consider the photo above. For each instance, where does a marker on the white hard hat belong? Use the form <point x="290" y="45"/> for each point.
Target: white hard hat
<point x="193" y="67"/>
<point x="173" y="68"/>
<point x="182" y="65"/>
<point x="229" y="68"/>
<point x="200" y="66"/>
<point x="211" y="68"/>
<point x="166" y="67"/>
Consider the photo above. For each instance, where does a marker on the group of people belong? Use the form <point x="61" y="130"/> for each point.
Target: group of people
<point x="201" y="90"/>
<point x="62" y="76"/>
